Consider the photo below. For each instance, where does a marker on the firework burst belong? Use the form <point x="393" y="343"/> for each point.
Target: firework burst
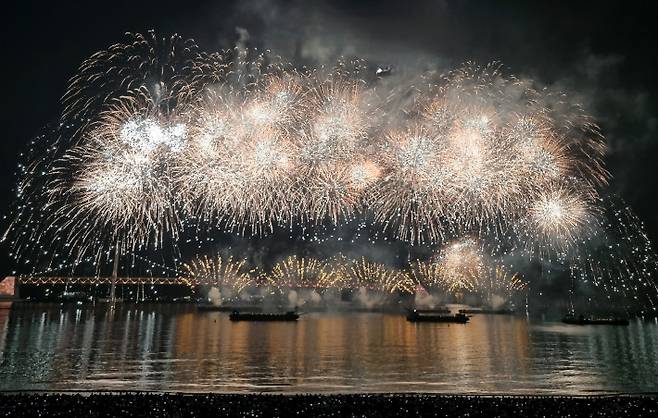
<point x="220" y="272"/>
<point x="300" y="272"/>
<point x="559" y="219"/>
<point x="498" y="286"/>
<point x="376" y="276"/>
<point x="155" y="133"/>
<point x="117" y="182"/>
<point x="461" y="264"/>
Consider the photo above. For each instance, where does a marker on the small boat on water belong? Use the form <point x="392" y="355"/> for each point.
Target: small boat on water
<point x="582" y="320"/>
<point x="240" y="316"/>
<point x="209" y="308"/>
<point x="433" y="311"/>
<point x="488" y="311"/>
<point x="222" y="308"/>
<point x="460" y="318"/>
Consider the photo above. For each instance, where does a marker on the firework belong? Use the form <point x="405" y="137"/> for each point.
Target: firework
<point x="620" y="260"/>
<point x="558" y="219"/>
<point x="300" y="272"/>
<point x="461" y="267"/>
<point x="332" y="194"/>
<point x="156" y="134"/>
<point x="409" y="198"/>
<point x="498" y="286"/>
<point x="337" y="123"/>
<point x="242" y="161"/>
<point x="428" y="274"/>
<point x="461" y="264"/>
<point x="219" y="272"/>
<point x="375" y="276"/>
<point x="171" y="69"/>
<point x="117" y="181"/>
<point x="276" y="147"/>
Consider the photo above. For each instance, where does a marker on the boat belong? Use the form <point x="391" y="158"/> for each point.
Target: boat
<point x="459" y="318"/>
<point x="209" y="308"/>
<point x="488" y="311"/>
<point x="433" y="311"/>
<point x="287" y="316"/>
<point x="581" y="320"/>
<point x="108" y="300"/>
<point x="75" y="297"/>
<point x="223" y="308"/>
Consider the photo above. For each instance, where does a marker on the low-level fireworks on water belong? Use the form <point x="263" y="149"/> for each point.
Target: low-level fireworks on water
<point x="295" y="273"/>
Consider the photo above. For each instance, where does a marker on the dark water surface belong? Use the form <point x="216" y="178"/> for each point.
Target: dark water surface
<point x="172" y="347"/>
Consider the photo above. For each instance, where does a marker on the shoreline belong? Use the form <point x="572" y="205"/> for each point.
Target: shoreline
<point x="111" y="392"/>
<point x="120" y="403"/>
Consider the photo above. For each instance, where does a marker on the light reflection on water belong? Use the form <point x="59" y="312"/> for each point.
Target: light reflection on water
<point x="171" y="347"/>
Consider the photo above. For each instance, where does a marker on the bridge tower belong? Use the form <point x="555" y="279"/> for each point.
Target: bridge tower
<point x="115" y="274"/>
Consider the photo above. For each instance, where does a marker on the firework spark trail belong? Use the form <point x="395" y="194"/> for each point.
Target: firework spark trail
<point x="559" y="218"/>
<point x="446" y="273"/>
<point x="155" y="132"/>
<point x="117" y="183"/>
<point x="377" y="276"/>
<point x="300" y="272"/>
<point x="241" y="164"/>
<point x="172" y="69"/>
<point x="429" y="275"/>
<point x="498" y="286"/>
<point x="461" y="267"/>
<point x="409" y="196"/>
<point x="622" y="260"/>
<point x="219" y="272"/>
<point x="286" y="147"/>
<point x="295" y="272"/>
<point x="461" y="264"/>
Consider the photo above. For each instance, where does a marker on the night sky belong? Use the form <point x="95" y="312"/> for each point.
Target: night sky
<point x="603" y="55"/>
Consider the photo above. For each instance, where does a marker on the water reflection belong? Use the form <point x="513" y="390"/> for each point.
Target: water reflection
<point x="176" y="348"/>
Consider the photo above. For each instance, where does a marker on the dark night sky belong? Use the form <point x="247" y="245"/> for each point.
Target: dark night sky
<point x="603" y="55"/>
